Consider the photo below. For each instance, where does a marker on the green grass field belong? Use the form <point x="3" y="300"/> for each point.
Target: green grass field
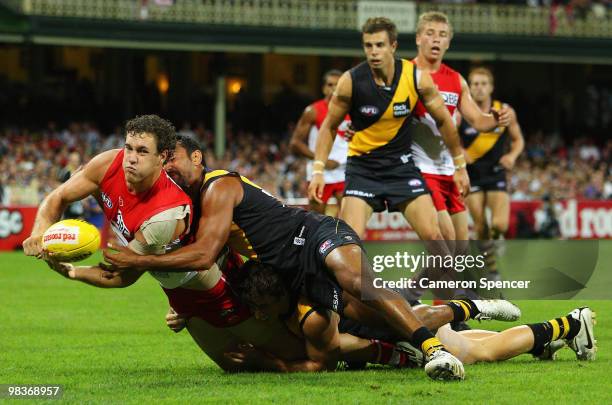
<point x="112" y="346"/>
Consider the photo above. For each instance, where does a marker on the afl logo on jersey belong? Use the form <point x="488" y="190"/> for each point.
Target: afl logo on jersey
<point x="107" y="201"/>
<point x="368" y="110"/>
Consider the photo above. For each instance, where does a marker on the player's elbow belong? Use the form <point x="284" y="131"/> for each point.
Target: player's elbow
<point x="201" y="262"/>
<point x="294" y="146"/>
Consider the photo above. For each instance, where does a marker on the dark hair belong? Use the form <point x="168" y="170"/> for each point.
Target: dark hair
<point x="163" y="130"/>
<point x="260" y="281"/>
<point x="191" y="145"/>
<point x="378" y="24"/>
<point x="332" y="72"/>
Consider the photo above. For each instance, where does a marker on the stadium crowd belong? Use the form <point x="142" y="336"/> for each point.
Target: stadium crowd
<point x="34" y="162"/>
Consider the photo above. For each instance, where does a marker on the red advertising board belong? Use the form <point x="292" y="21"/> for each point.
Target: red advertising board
<point x="578" y="219"/>
<point x="15" y="226"/>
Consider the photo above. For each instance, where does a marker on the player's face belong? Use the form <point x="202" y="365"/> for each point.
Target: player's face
<point x="141" y="159"/>
<point x="378" y="49"/>
<point x="433" y="40"/>
<point x="179" y="166"/>
<point x="269" y="307"/>
<point x="330" y="85"/>
<point x="480" y="87"/>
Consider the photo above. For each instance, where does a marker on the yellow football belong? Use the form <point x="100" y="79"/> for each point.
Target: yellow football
<point x="71" y="240"/>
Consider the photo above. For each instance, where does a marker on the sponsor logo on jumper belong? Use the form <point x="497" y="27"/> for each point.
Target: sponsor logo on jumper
<point x="401" y="109"/>
<point x="450" y="98"/>
<point x="120" y="224"/>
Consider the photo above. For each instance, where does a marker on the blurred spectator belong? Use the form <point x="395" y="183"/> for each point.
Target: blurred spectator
<point x="33" y="163"/>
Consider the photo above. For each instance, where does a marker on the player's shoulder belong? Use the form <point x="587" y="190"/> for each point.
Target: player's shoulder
<point x="320" y="104"/>
<point x="447" y="70"/>
<point x="97" y="167"/>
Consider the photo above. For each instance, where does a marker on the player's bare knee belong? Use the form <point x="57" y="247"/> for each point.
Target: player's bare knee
<point x="499" y="225"/>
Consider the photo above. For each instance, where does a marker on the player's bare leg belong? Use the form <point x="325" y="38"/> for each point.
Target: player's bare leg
<point x="576" y="329"/>
<point x="499" y="204"/>
<point x="432" y="316"/>
<point x="423" y="218"/>
<point x="352" y="270"/>
<point x="460" y="224"/>
<point x="316" y="206"/>
<point x="476" y="204"/>
<point x="356" y="213"/>
<point x="447" y="227"/>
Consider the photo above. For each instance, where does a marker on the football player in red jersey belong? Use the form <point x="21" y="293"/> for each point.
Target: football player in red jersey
<point x="433" y="36"/>
<point x="304" y="139"/>
<point x="150" y="213"/>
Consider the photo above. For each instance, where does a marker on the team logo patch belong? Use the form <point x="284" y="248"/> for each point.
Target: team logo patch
<point x="299" y="241"/>
<point x="106" y="200"/>
<point x="368" y="110"/>
<point x="348" y="237"/>
<point x="401" y="109"/>
<point x="415" y="182"/>
<point x="325" y="246"/>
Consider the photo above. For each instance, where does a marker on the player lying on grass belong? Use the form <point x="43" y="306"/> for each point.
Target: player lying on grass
<point x="322" y="330"/>
<point x="308" y="248"/>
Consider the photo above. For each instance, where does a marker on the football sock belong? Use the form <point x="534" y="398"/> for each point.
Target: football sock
<point x="426" y="341"/>
<point x="463" y="310"/>
<point x="388" y="355"/>
<point x="565" y="327"/>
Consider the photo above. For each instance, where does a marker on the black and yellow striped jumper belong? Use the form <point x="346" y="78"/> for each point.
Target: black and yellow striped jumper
<point x="380" y="168"/>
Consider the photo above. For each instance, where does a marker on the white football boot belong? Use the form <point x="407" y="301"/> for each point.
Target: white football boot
<point x="443" y="366"/>
<point x="584" y="343"/>
<point x="500" y="310"/>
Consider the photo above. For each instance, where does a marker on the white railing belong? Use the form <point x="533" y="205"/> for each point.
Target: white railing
<point x="327" y="14"/>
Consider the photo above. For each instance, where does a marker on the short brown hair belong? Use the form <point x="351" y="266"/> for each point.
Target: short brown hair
<point x="481" y="71"/>
<point x="378" y="24"/>
<point x="433" y="16"/>
<point x="161" y="129"/>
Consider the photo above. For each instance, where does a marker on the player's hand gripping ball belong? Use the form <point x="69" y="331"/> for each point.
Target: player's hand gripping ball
<point x="71" y="240"/>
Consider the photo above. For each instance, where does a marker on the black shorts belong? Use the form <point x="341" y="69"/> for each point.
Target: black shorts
<point x="303" y="265"/>
<point x="492" y="180"/>
<point x="388" y="188"/>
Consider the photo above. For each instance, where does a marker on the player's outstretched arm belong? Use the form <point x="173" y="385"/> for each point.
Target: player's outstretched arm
<point x="83" y="183"/>
<point x="481" y="121"/>
<point x="339" y="106"/>
<point x="218" y="204"/>
<point x="249" y="358"/>
<point x="97" y="276"/>
<point x="299" y="139"/>
<point x="517" y="142"/>
<point x="435" y="106"/>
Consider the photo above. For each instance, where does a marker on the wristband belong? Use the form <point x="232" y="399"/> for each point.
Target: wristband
<point x="461" y="166"/>
<point x="318" y="163"/>
<point x="317" y="172"/>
